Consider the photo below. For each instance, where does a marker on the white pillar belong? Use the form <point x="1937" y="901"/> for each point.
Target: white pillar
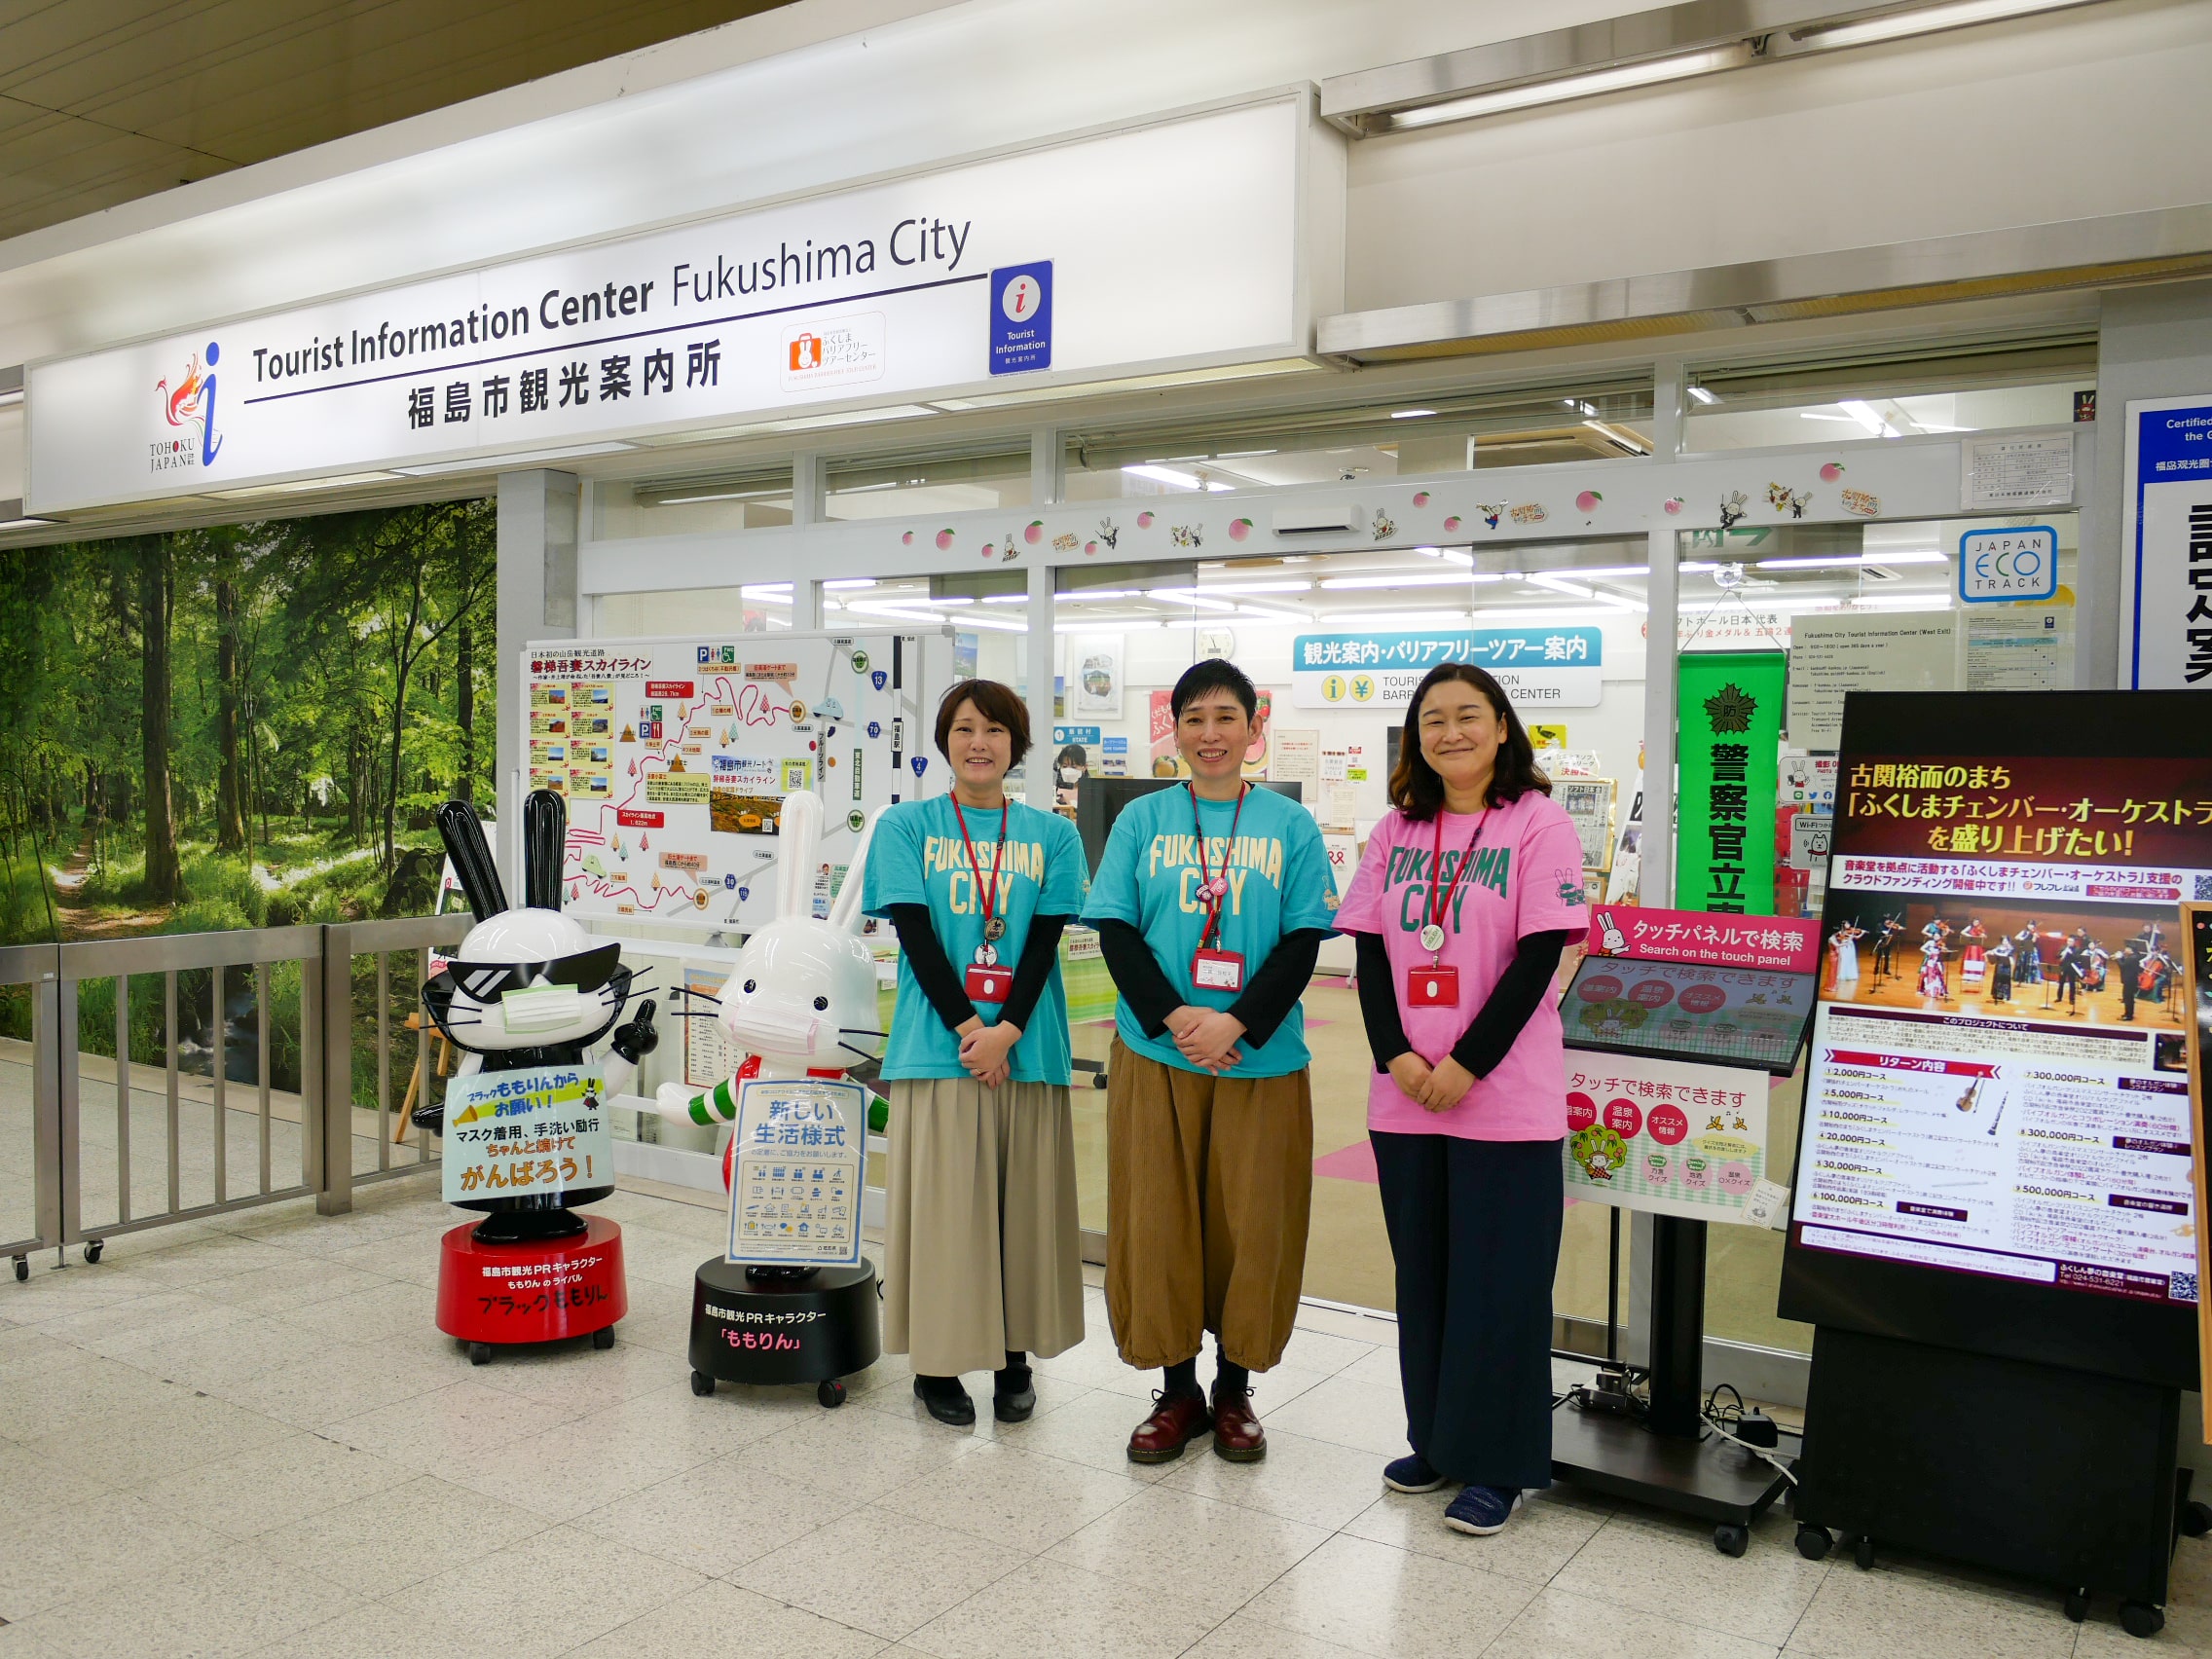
<point x="1667" y="410"/>
<point x="1657" y="869"/>
<point x="1039" y="771"/>
<point x="536" y="601"/>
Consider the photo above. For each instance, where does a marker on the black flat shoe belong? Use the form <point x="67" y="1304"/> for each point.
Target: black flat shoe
<point x="948" y="1401"/>
<point x="1014" y="1396"/>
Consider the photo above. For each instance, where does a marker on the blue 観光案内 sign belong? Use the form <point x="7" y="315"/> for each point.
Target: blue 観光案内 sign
<point x="1998" y="566"/>
<point x="1561" y="668"/>
<point x="1021" y="319"/>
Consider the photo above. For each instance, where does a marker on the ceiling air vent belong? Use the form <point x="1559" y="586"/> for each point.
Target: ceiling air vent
<point x="1331" y="519"/>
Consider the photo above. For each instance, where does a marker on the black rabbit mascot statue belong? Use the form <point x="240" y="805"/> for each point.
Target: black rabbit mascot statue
<point x="525" y="997"/>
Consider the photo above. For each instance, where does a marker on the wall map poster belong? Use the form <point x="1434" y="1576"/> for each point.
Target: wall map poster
<point x="1998" y="1084"/>
<point x="676" y="755"/>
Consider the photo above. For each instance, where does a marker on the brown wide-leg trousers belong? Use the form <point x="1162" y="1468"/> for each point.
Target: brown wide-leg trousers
<point x="1209" y="1184"/>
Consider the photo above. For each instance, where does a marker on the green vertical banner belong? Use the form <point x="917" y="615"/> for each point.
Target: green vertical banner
<point x="1729" y="723"/>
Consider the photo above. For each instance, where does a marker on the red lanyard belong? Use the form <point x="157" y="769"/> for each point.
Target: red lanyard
<point x="1436" y="860"/>
<point x="1211" y="892"/>
<point x="988" y="900"/>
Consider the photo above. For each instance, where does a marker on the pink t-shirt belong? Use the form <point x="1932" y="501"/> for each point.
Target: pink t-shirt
<point x="1525" y="877"/>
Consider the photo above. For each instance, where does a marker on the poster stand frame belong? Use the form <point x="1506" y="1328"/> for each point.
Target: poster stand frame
<point x="1669" y="1457"/>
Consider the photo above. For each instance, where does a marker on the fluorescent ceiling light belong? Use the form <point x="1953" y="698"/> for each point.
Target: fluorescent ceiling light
<point x="1588" y="570"/>
<point x="1410" y="414"/>
<point x="845" y="582"/>
<point x="1924" y="20"/>
<point x="1006" y="598"/>
<point x="1560" y="585"/>
<point x="1187" y="596"/>
<point x="952" y="599"/>
<point x="1090" y="622"/>
<point x="1703" y="397"/>
<point x="1401" y="579"/>
<point x="1167" y="475"/>
<point x="904" y="613"/>
<point x="778" y="592"/>
<point x="994" y="624"/>
<point x="1085" y="595"/>
<point x="1681" y="67"/>
<point x="1857" y="561"/>
<point x="1620" y="435"/>
<point x="1866" y="415"/>
<point x="1254" y="587"/>
<point x="1388" y="618"/>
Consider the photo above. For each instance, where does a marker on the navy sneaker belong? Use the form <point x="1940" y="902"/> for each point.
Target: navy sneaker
<point x="1482" y="1509"/>
<point x="1410" y="1474"/>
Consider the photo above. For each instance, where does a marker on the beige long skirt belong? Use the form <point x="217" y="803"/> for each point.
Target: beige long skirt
<point x="983" y="1250"/>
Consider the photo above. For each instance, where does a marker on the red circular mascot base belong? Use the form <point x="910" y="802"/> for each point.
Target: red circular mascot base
<point x="532" y="1293"/>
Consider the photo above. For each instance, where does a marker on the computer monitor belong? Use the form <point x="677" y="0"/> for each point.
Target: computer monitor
<point x="1099" y="801"/>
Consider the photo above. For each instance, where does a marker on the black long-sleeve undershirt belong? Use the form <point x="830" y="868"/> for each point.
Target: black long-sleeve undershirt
<point x="947" y="991"/>
<point x="932" y="967"/>
<point x="1269" y="994"/>
<point x="1040" y="951"/>
<point x="1497" y="1025"/>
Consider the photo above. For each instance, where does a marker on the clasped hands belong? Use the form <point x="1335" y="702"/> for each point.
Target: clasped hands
<point x="1438" y="1088"/>
<point x="1206" y="1037"/>
<point x="986" y="1051"/>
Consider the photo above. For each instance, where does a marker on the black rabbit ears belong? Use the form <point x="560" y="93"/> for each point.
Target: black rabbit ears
<point x="545" y="833"/>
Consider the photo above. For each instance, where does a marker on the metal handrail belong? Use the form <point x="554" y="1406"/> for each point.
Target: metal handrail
<point x="326" y="1099"/>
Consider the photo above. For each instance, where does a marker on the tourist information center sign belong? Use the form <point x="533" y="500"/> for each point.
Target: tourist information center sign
<point x="1065" y="263"/>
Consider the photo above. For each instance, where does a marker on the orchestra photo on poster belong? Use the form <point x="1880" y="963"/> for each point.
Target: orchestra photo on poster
<point x="2101" y="964"/>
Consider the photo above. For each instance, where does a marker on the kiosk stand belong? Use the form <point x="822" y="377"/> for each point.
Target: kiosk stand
<point x="1675" y="1021"/>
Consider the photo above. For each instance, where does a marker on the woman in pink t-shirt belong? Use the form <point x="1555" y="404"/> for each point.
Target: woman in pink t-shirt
<point x="1465" y="898"/>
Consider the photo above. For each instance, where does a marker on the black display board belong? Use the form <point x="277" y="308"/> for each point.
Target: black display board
<point x="1997" y="1159"/>
<point x="1099" y="801"/>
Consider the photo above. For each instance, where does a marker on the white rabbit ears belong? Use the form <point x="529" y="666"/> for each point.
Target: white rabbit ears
<point x="800" y="832"/>
<point x="846" y="914"/>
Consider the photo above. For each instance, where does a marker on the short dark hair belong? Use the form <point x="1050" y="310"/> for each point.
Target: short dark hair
<point x="1416" y="789"/>
<point x="995" y="702"/>
<point x="1215" y="674"/>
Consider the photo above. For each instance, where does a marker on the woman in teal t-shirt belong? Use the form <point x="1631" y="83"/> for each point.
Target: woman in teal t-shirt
<point x="982" y="1263"/>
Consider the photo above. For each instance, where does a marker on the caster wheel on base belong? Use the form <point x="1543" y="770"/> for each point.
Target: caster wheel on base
<point x="831" y="1394"/>
<point x="2194" y="1520"/>
<point x="1863" y="1553"/>
<point x="1731" y="1540"/>
<point x="23" y="1268"/>
<point x="604" y="1337"/>
<point x="92" y="1250"/>
<point x="702" y="1385"/>
<point x="480" y="1353"/>
<point x="2076" y="1604"/>
<point x="1814" y="1542"/>
<point x="2141" y="1619"/>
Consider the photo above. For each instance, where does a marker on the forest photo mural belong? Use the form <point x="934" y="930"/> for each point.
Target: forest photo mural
<point x="242" y="725"/>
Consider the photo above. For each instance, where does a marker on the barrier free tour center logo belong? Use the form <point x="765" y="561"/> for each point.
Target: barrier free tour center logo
<point x="188" y="407"/>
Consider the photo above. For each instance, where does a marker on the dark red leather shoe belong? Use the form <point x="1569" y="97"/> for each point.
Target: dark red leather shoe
<point x="1177" y="1420"/>
<point x="1236" y="1432"/>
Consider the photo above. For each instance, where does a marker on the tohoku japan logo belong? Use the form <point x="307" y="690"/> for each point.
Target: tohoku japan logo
<point x="190" y="408"/>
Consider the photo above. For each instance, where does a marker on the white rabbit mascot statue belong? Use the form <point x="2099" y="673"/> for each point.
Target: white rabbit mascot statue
<point x="801" y="999"/>
<point x="801" y="1003"/>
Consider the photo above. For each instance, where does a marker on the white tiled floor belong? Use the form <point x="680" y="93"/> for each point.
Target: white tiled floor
<point x="248" y="1438"/>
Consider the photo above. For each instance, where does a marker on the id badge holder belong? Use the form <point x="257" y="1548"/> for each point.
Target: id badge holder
<point x="988" y="983"/>
<point x="1432" y="988"/>
<point x="1218" y="969"/>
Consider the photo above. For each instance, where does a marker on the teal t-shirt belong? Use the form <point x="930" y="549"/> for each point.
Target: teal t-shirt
<point x="917" y="857"/>
<point x="1279" y="882"/>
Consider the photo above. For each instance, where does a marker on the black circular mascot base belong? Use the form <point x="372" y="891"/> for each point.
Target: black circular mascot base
<point x="817" y="1327"/>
